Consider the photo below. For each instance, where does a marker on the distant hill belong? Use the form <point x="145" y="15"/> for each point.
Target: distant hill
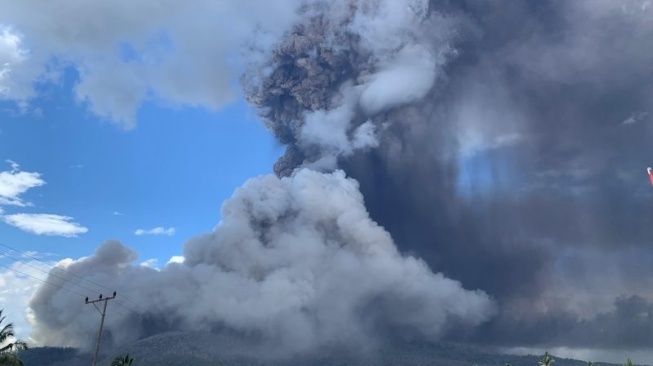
<point x="209" y="349"/>
<point x="54" y="356"/>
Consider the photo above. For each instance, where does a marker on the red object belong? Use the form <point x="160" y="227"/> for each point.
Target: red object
<point x="650" y="176"/>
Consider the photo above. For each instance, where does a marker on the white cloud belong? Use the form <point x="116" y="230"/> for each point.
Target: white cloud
<point x="150" y="263"/>
<point x="11" y="55"/>
<point x="126" y="51"/>
<point x="32" y="254"/>
<point x="45" y="224"/>
<point x="176" y="259"/>
<point x="156" y="231"/>
<point x="15" y="182"/>
<point x="117" y="213"/>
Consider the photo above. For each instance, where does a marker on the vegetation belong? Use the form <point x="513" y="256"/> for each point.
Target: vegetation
<point x="122" y="361"/>
<point x="546" y="359"/>
<point x="47" y="356"/>
<point x="207" y="349"/>
<point x="9" y="346"/>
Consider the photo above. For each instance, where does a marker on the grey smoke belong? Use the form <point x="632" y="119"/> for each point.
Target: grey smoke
<point x="512" y="167"/>
<point x="331" y="77"/>
<point x="485" y="138"/>
<point x="295" y="260"/>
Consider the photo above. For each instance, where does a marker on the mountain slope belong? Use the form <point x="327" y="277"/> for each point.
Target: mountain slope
<point x="205" y="348"/>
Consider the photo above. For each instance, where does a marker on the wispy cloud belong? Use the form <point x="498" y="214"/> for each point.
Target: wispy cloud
<point x="32" y="254"/>
<point x="156" y="231"/>
<point x="45" y="224"/>
<point x="150" y="263"/>
<point x="117" y="213"/>
<point x="634" y="118"/>
<point x="14" y="183"/>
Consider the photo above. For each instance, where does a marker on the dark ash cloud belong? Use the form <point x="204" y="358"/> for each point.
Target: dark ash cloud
<point x="485" y="137"/>
<point x="514" y="158"/>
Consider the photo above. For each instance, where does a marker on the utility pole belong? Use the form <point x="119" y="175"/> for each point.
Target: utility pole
<point x="103" y="312"/>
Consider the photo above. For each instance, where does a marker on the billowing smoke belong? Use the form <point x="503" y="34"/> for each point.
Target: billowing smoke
<point x="511" y="156"/>
<point x="330" y="82"/>
<point x="503" y="143"/>
<point x="296" y="261"/>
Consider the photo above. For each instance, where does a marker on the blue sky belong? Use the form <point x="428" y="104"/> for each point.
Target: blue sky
<point x="173" y="170"/>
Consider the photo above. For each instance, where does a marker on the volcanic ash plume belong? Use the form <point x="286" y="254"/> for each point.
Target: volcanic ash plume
<point x="501" y="142"/>
<point x="295" y="260"/>
<point x="505" y="144"/>
<point x="326" y="88"/>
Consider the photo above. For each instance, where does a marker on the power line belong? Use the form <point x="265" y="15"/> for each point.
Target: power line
<point x="72" y="274"/>
<point x="59" y="286"/>
<point x="44" y="281"/>
<point x="49" y="273"/>
<point x="51" y="267"/>
<point x="66" y="280"/>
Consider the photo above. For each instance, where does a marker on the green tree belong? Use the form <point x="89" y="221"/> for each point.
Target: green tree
<point x="122" y="361"/>
<point x="8" y="349"/>
<point x="546" y="360"/>
<point x="628" y="362"/>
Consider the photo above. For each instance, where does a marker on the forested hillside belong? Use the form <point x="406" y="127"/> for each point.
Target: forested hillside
<point x="206" y="349"/>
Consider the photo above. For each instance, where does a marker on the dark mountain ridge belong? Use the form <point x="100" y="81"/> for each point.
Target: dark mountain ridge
<point x="205" y="348"/>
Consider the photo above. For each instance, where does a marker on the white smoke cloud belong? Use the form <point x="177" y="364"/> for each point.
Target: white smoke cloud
<point x="385" y="26"/>
<point x="18" y="282"/>
<point x="297" y="259"/>
<point x="330" y="130"/>
<point x="407" y="78"/>
<point x="125" y="51"/>
<point x="401" y="69"/>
